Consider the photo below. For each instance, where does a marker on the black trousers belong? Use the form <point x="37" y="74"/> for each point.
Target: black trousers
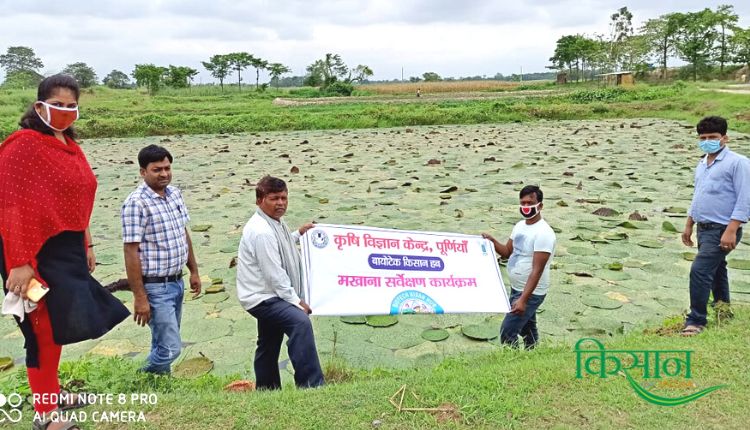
<point x="276" y="318"/>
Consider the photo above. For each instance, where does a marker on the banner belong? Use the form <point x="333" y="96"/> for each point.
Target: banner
<point x="354" y="270"/>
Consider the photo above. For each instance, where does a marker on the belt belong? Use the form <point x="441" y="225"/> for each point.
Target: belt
<point x="710" y="226"/>
<point x="162" y="279"/>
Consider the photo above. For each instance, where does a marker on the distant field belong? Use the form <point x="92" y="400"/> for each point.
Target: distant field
<point x="438" y="87"/>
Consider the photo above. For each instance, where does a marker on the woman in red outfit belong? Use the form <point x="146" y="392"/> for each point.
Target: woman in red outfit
<point x="47" y="193"/>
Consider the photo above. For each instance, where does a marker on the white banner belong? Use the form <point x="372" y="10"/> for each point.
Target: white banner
<point x="354" y="270"/>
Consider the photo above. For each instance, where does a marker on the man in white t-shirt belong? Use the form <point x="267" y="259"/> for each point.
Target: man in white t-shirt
<point x="529" y="252"/>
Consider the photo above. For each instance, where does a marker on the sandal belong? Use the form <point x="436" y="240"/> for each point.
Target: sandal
<point x="45" y="425"/>
<point x="692" y="330"/>
<point x="72" y="400"/>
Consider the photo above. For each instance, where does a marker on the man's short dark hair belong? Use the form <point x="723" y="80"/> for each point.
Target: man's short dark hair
<point x="712" y="124"/>
<point x="532" y="189"/>
<point x="267" y="185"/>
<point x="153" y="154"/>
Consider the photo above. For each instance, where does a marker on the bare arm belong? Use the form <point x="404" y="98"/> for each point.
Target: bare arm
<point x="503" y="251"/>
<point x="538" y="262"/>
<point x="142" y="309"/>
<point x="90" y="256"/>
<point x="192" y="264"/>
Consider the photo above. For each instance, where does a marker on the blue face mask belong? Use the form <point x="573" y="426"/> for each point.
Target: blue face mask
<point x="709" y="146"/>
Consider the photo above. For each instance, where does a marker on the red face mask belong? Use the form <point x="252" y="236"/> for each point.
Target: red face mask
<point x="59" y="118"/>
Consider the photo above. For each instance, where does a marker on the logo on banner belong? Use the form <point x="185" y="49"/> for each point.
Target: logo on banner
<point x="319" y="238"/>
<point x="414" y="302"/>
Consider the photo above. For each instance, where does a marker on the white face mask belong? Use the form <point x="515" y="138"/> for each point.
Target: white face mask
<point x="59" y="118"/>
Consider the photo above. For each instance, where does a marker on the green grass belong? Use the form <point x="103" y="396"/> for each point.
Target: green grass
<point x="130" y="113"/>
<point x="503" y="389"/>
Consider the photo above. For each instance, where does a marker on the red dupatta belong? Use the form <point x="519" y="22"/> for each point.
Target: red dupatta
<point x="46" y="187"/>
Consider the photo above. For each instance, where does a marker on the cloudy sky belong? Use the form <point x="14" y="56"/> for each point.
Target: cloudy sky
<point x="450" y="37"/>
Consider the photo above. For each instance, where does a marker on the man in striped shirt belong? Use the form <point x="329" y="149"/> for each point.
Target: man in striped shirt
<point x="157" y="247"/>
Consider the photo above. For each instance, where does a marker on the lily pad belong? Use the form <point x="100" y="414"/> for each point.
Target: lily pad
<point x="675" y="210"/>
<point x="201" y="227"/>
<point x="627" y="224"/>
<point x="668" y="226"/>
<point x="213" y="289"/>
<point x="739" y="264"/>
<point x="215" y="298"/>
<point x="435" y="334"/>
<point x="381" y="320"/>
<point x="357" y="319"/>
<point x="600" y="302"/>
<point x="613" y="266"/>
<point x="612" y="275"/>
<point x="7" y="362"/>
<point x="580" y="250"/>
<point x="193" y="367"/>
<point x="653" y="244"/>
<point x="480" y="331"/>
<point x="689" y="256"/>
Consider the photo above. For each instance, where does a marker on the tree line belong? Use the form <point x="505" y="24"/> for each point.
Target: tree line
<point x="330" y="73"/>
<point x="705" y="40"/>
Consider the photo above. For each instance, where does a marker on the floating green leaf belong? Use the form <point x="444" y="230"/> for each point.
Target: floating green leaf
<point x="675" y="210"/>
<point x="435" y="334"/>
<point x="739" y="264"/>
<point x="356" y="319"/>
<point x="193" y="367"/>
<point x="651" y="244"/>
<point x="627" y="224"/>
<point x="381" y="320"/>
<point x="201" y="227"/>
<point x="213" y="289"/>
<point x="613" y="266"/>
<point x="668" y="226"/>
<point x="580" y="250"/>
<point x="600" y="302"/>
<point x="480" y="331"/>
<point x="689" y="256"/>
<point x="7" y="362"/>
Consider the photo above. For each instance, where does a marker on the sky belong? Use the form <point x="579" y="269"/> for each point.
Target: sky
<point x="450" y="37"/>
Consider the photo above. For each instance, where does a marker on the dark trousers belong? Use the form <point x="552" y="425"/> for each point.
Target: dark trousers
<point x="708" y="274"/>
<point x="276" y="318"/>
<point x="523" y="325"/>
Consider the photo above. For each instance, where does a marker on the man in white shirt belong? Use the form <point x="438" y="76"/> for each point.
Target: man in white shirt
<point x="269" y="287"/>
<point x="529" y="252"/>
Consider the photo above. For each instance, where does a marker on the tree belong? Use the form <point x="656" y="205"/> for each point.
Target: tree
<point x="259" y="64"/>
<point x="726" y="19"/>
<point x="359" y="74"/>
<point x="20" y="59"/>
<point x="276" y="70"/>
<point x="83" y="73"/>
<point x="326" y="71"/>
<point x="180" y="76"/>
<point x="150" y="76"/>
<point x="239" y="61"/>
<point x="620" y="28"/>
<point x="22" y="79"/>
<point x="635" y="55"/>
<point x="661" y="34"/>
<point x="696" y="37"/>
<point x="219" y="67"/>
<point x="116" y="79"/>
<point x="740" y="43"/>
<point x="431" y="77"/>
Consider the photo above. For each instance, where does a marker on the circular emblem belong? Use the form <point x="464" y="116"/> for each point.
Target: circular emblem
<point x="319" y="238"/>
<point x="414" y="302"/>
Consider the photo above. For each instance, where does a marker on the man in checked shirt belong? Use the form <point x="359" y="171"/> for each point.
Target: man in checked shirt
<point x="157" y="247"/>
<point x="720" y="207"/>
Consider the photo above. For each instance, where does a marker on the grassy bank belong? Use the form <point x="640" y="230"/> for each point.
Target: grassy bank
<point x="110" y="113"/>
<point x="503" y="389"/>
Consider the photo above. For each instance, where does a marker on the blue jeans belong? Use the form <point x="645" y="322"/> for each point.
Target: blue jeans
<point x="165" y="300"/>
<point x="708" y="274"/>
<point x="523" y="325"/>
<point x="276" y="318"/>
